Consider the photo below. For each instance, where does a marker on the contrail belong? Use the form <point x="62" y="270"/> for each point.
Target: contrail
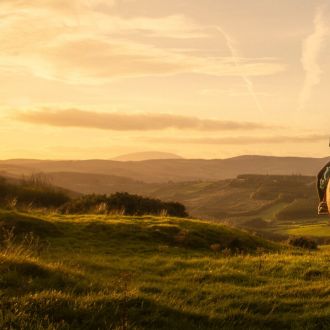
<point x="311" y="50"/>
<point x="236" y="58"/>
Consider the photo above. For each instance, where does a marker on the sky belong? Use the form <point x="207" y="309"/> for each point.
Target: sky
<point x="84" y="79"/>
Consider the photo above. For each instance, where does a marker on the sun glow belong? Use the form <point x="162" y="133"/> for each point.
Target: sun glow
<point x="166" y="72"/>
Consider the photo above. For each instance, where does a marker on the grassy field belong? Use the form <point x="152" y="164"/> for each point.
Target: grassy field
<point x="317" y="228"/>
<point x="100" y="272"/>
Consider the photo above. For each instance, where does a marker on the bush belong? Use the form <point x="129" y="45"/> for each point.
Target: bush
<point x="38" y="192"/>
<point x="34" y="192"/>
<point x="303" y="242"/>
<point x="123" y="203"/>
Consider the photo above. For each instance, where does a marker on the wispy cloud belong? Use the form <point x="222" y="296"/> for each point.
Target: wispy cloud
<point x="130" y="121"/>
<point x="63" y="6"/>
<point x="90" y="15"/>
<point x="311" y="50"/>
<point x="242" y="140"/>
<point x="237" y="61"/>
<point x="80" y="44"/>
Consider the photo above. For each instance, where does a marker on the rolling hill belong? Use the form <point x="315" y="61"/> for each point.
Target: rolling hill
<point x="162" y="272"/>
<point x="272" y="205"/>
<point x="139" y="273"/>
<point x="177" y="170"/>
<point x="246" y="195"/>
<point x="210" y="189"/>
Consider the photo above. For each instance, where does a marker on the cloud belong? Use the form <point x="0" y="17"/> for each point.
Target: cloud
<point x="242" y="140"/>
<point x="312" y="47"/>
<point x="99" y="60"/>
<point x="130" y="121"/>
<point x="91" y="60"/>
<point x="62" y="6"/>
<point x="81" y="44"/>
<point x="238" y="92"/>
<point x="90" y="15"/>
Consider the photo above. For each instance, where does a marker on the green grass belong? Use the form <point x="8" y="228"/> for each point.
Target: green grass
<point x="270" y="213"/>
<point x="318" y="229"/>
<point x="99" y="272"/>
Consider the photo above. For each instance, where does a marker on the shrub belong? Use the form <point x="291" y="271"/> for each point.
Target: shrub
<point x="38" y="192"/>
<point x="123" y="203"/>
<point x="33" y="192"/>
<point x="303" y="242"/>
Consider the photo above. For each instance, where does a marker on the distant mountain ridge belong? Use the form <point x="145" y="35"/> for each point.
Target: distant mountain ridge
<point x="176" y="170"/>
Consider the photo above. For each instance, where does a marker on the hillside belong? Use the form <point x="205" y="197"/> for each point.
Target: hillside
<point x="245" y="195"/>
<point x="145" y="232"/>
<point x="272" y="205"/>
<point x="177" y="170"/>
<point x="89" y="183"/>
<point x="36" y="193"/>
<point x="154" y="273"/>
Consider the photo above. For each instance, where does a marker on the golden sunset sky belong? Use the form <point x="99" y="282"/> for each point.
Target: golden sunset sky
<point x="201" y="78"/>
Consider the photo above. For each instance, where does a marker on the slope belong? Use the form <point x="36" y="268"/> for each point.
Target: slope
<point x="152" y="171"/>
<point x="129" y="273"/>
<point x="255" y="195"/>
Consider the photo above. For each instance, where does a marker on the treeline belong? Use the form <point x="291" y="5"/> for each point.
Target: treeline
<point x="37" y="192"/>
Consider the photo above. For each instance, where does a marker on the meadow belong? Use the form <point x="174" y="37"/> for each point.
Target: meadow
<point x="119" y="272"/>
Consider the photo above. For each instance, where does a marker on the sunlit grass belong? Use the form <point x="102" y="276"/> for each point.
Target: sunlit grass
<point x="316" y="230"/>
<point x="160" y="273"/>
